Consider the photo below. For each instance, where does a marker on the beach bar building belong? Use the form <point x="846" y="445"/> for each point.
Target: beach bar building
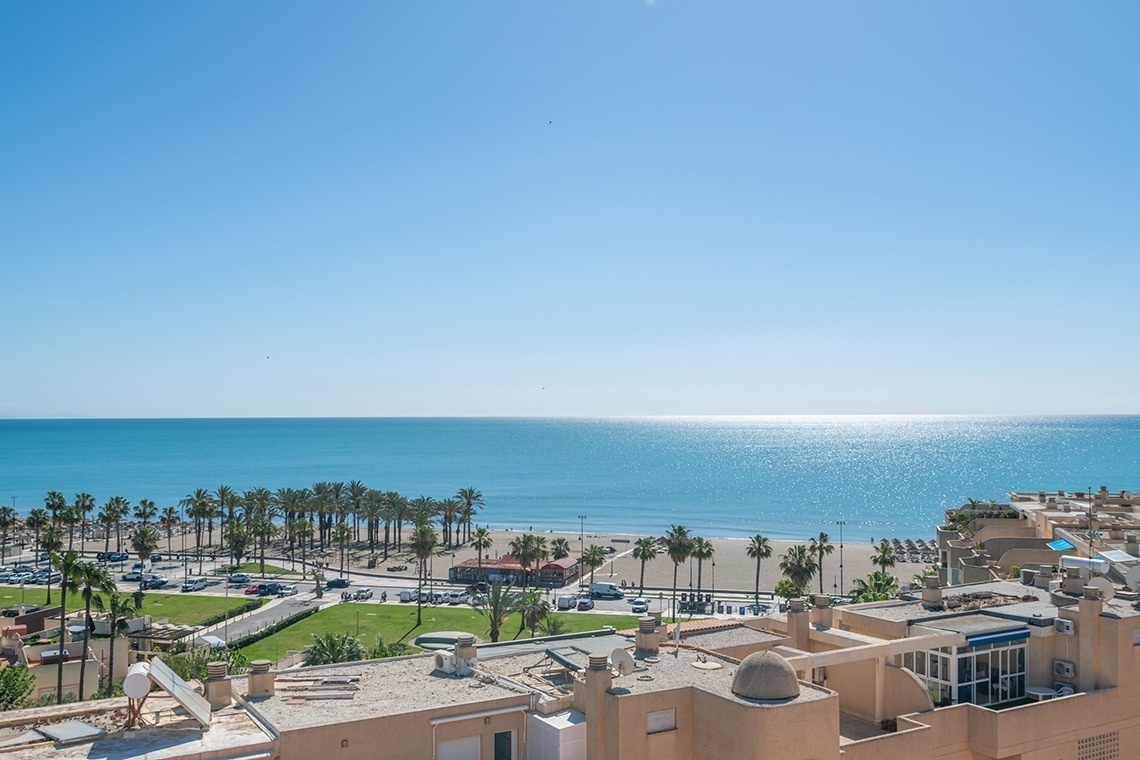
<point x="507" y="570"/>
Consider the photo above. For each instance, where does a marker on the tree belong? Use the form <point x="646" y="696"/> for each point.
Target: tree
<point x="332" y="647"/>
<point x="84" y="504"/>
<point x="381" y="650"/>
<point x="37" y="521"/>
<point x="883" y="556"/>
<point x="560" y="548"/>
<point x="532" y="609"/>
<point x="758" y="549"/>
<point x="423" y="543"/>
<point x="67" y="563"/>
<point x="237" y="543"/>
<point x="593" y="558"/>
<point x="342" y="533"/>
<point x="819" y="548"/>
<point x="470" y="501"/>
<point x="144" y="542"/>
<point x="879" y="586"/>
<point x="55" y="505"/>
<point x="93" y="580"/>
<point x="8" y="521"/>
<point x="302" y="530"/>
<point x="145" y="511"/>
<point x="644" y="550"/>
<point x="120" y="609"/>
<point x="702" y="550"/>
<point x="52" y="543"/>
<point x="169" y="519"/>
<point x="481" y="541"/>
<point x="798" y="566"/>
<point x="678" y="545"/>
<point x="497" y="605"/>
<point x="16" y="686"/>
<point x="786" y="589"/>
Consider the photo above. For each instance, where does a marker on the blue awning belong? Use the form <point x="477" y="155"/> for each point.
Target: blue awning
<point x="1060" y="545"/>
<point x="998" y="637"/>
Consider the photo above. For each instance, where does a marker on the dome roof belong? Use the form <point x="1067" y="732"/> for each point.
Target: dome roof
<point x="765" y="675"/>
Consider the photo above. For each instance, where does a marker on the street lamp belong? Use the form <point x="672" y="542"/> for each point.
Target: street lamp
<point x="582" y="534"/>
<point x="842" y="587"/>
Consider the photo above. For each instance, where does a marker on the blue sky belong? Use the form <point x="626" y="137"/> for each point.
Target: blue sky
<point x="606" y="208"/>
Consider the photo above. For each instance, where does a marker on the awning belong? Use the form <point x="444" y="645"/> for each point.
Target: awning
<point x="1060" y="545"/>
<point x="998" y="637"/>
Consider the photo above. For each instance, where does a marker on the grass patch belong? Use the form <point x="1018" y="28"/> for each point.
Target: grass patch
<point x="178" y="608"/>
<point x="397" y="623"/>
<point x="254" y="568"/>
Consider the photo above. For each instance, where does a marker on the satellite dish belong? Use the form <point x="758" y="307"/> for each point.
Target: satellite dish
<point x="622" y="661"/>
<point x="1107" y="590"/>
<point x="1133" y="578"/>
<point x="1084" y="573"/>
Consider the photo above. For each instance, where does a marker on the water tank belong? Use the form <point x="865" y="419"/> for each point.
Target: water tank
<point x="1093" y="565"/>
<point x="137" y="683"/>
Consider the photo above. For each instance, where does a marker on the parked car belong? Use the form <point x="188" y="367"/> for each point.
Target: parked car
<point x="288" y="590"/>
<point x="477" y="599"/>
<point x="408" y="595"/>
<point x="239" y="578"/>
<point x="585" y="603"/>
<point x="19" y="577"/>
<point x="268" y="589"/>
<point x="457" y="597"/>
<point x="46" y="579"/>
<point x="640" y="604"/>
<point x="132" y="575"/>
<point x="194" y="584"/>
<point x="118" y="557"/>
<point x="362" y="594"/>
<point x="251" y="589"/>
<point x="397" y="568"/>
<point x="567" y="602"/>
<point x="338" y="583"/>
<point x="102" y="556"/>
<point x="477" y="588"/>
<point x="149" y="580"/>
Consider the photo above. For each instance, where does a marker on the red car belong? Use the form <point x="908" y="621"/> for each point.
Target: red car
<point x="251" y="590"/>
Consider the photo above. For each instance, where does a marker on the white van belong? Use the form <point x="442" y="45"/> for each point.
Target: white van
<point x="194" y="584"/>
<point x="606" y="591"/>
<point x="567" y="602"/>
<point x="408" y="595"/>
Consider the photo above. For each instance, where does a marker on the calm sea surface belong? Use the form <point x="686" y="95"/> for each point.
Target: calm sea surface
<point x="788" y="477"/>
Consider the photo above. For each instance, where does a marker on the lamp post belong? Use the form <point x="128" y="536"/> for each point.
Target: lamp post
<point x="842" y="587"/>
<point x="582" y="534"/>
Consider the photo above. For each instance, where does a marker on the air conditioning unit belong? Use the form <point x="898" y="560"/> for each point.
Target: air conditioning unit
<point x="446" y="662"/>
<point x="1064" y="627"/>
<point x="1064" y="668"/>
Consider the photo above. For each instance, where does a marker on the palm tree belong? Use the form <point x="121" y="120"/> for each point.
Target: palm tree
<point x="448" y="512"/>
<point x="84" y="503"/>
<point x="67" y="563"/>
<point x="798" y="566"/>
<point x="423" y="543"/>
<point x="120" y="608"/>
<point x="237" y="544"/>
<point x="524" y="549"/>
<point x="879" y="586"/>
<point x="758" y="549"/>
<point x="329" y="648"/>
<point x="55" y="505"/>
<point x="52" y="543"/>
<point x="497" y="605"/>
<point x="819" y="548"/>
<point x="481" y="541"/>
<point x="678" y="545"/>
<point x="702" y="550"/>
<point x="144" y="542"/>
<point x="145" y="511"/>
<point x="223" y="503"/>
<point x="8" y="519"/>
<point x="169" y="519"/>
<point x="199" y="507"/>
<point x="560" y="548"/>
<point x="342" y="533"/>
<point x="532" y="609"/>
<point x="593" y="558"/>
<point x="93" y="580"/>
<point x="470" y="501"/>
<point x="303" y="531"/>
<point x="644" y="550"/>
<point x="357" y="499"/>
<point x="883" y="555"/>
<point x="36" y="521"/>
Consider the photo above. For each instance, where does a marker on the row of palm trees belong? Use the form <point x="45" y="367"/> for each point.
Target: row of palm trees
<point x="97" y="588"/>
<point x="328" y="514"/>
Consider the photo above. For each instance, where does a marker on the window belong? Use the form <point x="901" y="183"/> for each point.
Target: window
<point x="504" y="745"/>
<point x="1103" y="747"/>
<point x="661" y="720"/>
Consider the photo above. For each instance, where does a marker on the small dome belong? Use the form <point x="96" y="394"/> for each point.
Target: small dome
<point x="765" y="675"/>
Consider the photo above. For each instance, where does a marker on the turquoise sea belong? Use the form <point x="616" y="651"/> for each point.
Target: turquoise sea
<point x="788" y="477"/>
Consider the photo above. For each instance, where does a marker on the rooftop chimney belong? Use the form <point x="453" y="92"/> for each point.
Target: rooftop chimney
<point x="931" y="593"/>
<point x="647" y="641"/>
<point x="798" y="625"/>
<point x="218" y="691"/>
<point x="822" y="614"/>
<point x="261" y="678"/>
<point x="466" y="655"/>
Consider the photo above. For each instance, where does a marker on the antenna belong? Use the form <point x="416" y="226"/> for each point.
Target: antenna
<point x="1133" y="578"/>
<point x="1107" y="590"/>
<point x="622" y="661"/>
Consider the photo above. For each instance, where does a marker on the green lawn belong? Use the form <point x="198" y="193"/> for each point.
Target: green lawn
<point x="398" y="623"/>
<point x="255" y="569"/>
<point x="186" y="609"/>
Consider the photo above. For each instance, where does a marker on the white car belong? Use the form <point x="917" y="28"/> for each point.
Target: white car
<point x="640" y="604"/>
<point x="288" y="590"/>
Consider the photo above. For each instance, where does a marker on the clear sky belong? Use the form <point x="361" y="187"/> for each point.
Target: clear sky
<point x="568" y="208"/>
